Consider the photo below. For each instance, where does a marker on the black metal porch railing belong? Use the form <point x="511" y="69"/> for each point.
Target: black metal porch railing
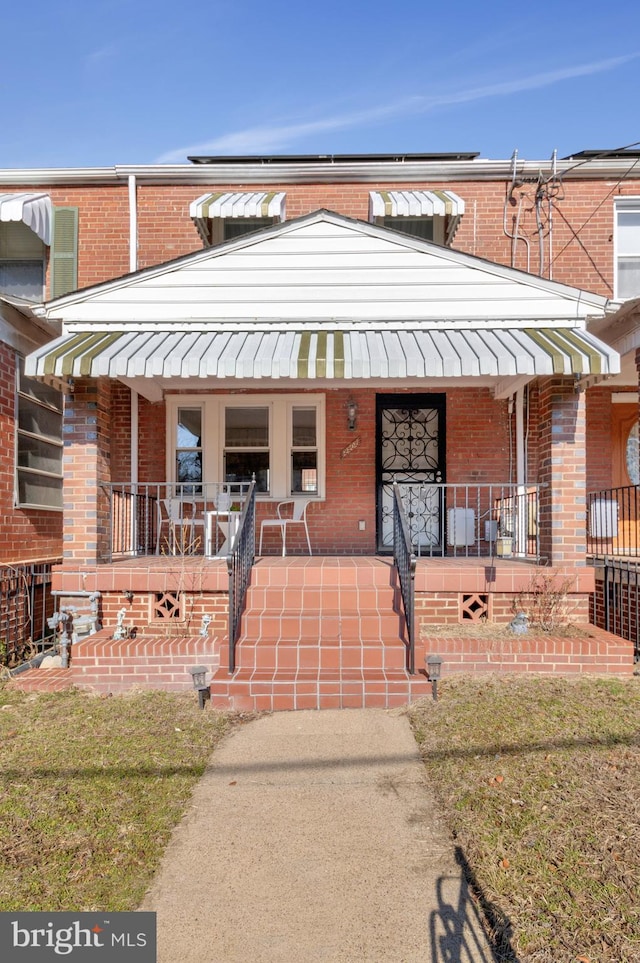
<point x="26" y="605"/>
<point x="239" y="563"/>
<point x="468" y="520"/>
<point x="613" y="521"/>
<point x="166" y="518"/>
<point x="405" y="562"/>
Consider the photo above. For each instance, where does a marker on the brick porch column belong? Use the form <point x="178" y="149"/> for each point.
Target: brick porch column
<point x="86" y="465"/>
<point x="563" y="471"/>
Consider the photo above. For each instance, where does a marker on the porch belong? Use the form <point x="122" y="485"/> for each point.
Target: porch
<point x="316" y="632"/>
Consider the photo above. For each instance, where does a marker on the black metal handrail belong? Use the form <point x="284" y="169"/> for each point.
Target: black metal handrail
<point x="405" y="562"/>
<point x="239" y="562"/>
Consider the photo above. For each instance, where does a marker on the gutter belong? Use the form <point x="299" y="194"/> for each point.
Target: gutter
<point x="301" y="172"/>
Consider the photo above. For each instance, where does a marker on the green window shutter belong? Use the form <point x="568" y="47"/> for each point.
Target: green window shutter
<point x="64" y="251"/>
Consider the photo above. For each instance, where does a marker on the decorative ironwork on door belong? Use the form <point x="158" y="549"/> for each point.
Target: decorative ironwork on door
<point x="410" y="452"/>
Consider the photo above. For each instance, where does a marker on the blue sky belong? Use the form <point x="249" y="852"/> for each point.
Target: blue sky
<point x="102" y="82"/>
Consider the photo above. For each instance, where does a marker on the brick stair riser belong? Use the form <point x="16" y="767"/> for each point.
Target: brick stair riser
<point x="264" y="656"/>
<point x="323" y="694"/>
<point x="341" y="577"/>
<point x="304" y="627"/>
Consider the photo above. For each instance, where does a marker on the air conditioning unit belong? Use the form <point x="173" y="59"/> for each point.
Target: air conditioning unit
<point x="461" y="527"/>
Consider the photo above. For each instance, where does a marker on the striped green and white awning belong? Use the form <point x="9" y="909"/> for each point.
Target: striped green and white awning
<point x="236" y="204"/>
<point x="445" y="204"/>
<point x="311" y="354"/>
<point x="415" y="204"/>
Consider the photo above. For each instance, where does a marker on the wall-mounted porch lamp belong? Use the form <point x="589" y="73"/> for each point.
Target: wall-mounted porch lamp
<point x="434" y="666"/>
<point x="198" y="675"/>
<point x="352" y="412"/>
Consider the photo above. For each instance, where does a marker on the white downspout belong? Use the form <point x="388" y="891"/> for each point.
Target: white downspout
<point x="523" y="508"/>
<point x="133" y="224"/>
<point x="133" y="266"/>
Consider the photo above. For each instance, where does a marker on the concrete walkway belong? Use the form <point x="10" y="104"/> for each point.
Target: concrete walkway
<point x="313" y="836"/>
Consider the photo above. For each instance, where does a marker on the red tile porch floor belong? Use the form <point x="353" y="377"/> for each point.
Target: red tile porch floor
<point x="320" y="632"/>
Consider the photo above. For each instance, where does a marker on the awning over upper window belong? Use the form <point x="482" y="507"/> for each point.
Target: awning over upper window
<point x="236" y="204"/>
<point x="418" y="204"/>
<point x="34" y="210"/>
<point x="301" y="353"/>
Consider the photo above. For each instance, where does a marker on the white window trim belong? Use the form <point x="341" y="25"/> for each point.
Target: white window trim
<point x="624" y="202"/>
<point x="280" y="436"/>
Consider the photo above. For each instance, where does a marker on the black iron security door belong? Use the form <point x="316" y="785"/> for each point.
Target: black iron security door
<point x="410" y="450"/>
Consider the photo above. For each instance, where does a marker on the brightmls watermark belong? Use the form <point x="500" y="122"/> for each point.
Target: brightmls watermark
<point x="79" y="937"/>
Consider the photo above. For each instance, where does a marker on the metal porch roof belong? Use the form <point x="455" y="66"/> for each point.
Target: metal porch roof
<point x="312" y="353"/>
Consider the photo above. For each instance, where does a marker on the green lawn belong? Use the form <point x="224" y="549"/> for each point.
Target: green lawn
<point x="90" y="790"/>
<point x="539" y="781"/>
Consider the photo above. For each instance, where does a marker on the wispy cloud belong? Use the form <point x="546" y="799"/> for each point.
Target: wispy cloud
<point x="99" y="56"/>
<point x="264" y="139"/>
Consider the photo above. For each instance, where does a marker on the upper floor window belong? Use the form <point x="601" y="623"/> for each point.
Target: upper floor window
<point x="22" y="261"/>
<point x="417" y="227"/>
<point x="429" y="215"/>
<point x="627" y="248"/>
<point x="223" y="216"/>
<point x="38" y="444"/>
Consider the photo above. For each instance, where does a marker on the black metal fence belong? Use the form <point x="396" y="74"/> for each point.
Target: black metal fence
<point x="469" y="520"/>
<point x="165" y="518"/>
<point x="616" y="600"/>
<point x="26" y="604"/>
<point x="405" y="562"/>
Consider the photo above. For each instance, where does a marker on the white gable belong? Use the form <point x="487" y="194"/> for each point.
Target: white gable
<point x="322" y="269"/>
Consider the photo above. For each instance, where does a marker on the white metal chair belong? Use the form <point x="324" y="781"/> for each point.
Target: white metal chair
<point x="298" y="516"/>
<point x="179" y="516"/>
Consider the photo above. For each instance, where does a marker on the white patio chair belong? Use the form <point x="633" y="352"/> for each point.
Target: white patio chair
<point x="298" y="517"/>
<point x="179" y="516"/>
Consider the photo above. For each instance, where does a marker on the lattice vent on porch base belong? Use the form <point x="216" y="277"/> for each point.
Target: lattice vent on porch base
<point x="166" y="606"/>
<point x="475" y="607"/>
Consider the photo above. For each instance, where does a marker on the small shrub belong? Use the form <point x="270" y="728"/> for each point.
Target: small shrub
<point x="545" y="601"/>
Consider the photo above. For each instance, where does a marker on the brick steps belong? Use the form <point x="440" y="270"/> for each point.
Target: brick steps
<point x="320" y="634"/>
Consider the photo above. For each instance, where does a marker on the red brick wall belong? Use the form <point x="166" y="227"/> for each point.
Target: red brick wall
<point x="581" y="244"/>
<point x="27" y="534"/>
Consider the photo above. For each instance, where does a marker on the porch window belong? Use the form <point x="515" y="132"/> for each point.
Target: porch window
<point x="189" y="448"/>
<point x="627" y="248"/>
<point x="304" y="452"/>
<point x="246" y="446"/>
<point x="278" y="438"/>
<point x="38" y="444"/>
